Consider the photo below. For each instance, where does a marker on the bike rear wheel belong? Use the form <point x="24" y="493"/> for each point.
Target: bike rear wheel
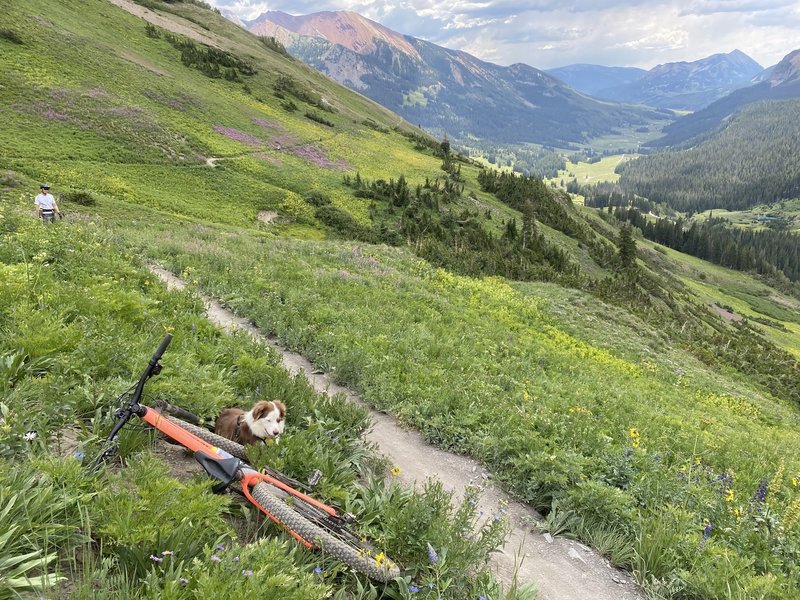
<point x="378" y="567"/>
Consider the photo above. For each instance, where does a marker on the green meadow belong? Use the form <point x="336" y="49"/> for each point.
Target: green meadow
<point x="588" y="173"/>
<point x="788" y="210"/>
<point x="680" y="467"/>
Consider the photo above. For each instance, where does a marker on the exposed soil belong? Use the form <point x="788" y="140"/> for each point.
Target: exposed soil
<point x="267" y="216"/>
<point x="167" y="23"/>
<point x="562" y="569"/>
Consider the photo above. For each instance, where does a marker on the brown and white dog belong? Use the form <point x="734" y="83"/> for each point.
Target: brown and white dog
<point x="265" y="420"/>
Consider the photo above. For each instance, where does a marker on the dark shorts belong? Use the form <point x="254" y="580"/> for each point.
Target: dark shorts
<point x="48" y="215"/>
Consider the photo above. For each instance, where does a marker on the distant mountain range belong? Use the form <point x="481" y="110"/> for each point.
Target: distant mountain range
<point x="447" y="90"/>
<point x="596" y="79"/>
<point x="678" y="85"/>
<point x="782" y="82"/>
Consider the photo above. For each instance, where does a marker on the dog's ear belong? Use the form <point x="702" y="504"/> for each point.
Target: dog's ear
<point x="261" y="409"/>
<point x="281" y="408"/>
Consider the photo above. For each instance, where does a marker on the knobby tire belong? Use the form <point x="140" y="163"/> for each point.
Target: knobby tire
<point x="289" y="517"/>
<point x="324" y="540"/>
<point x="229" y="446"/>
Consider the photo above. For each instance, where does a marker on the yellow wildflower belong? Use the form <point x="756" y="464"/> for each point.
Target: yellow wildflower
<point x="729" y="495"/>
<point x="395" y="471"/>
<point x="635" y="437"/>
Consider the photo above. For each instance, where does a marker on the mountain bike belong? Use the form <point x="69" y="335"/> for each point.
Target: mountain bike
<point x="313" y="523"/>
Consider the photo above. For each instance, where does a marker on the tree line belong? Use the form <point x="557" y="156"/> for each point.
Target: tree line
<point x="766" y="251"/>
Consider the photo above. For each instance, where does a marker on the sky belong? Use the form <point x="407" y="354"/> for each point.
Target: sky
<point x="554" y="33"/>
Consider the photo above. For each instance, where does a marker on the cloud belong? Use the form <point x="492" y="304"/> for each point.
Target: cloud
<point x="549" y="33"/>
<point x="710" y="7"/>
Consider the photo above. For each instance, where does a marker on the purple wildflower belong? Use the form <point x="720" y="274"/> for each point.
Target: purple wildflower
<point x="239" y="136"/>
<point x="413" y="589"/>
<point x="220" y="547"/>
<point x="183" y="580"/>
<point x="317" y="156"/>
<point x="760" y="494"/>
<point x="706" y="535"/>
<point x="216" y="558"/>
<point x="266" y="123"/>
<point x="432" y="556"/>
<point x="317" y="570"/>
<point x="95" y="93"/>
<point x="725" y="482"/>
<point x="155" y="558"/>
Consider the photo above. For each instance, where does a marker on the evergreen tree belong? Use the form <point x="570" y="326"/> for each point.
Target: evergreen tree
<point x="627" y="247"/>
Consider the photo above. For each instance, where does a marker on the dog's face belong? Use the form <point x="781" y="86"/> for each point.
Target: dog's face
<point x="268" y="419"/>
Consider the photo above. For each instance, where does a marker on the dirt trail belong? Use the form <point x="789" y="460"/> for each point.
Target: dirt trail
<point x="562" y="569"/>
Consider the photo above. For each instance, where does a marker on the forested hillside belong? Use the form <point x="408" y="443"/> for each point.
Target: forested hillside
<point x="751" y="160"/>
<point x="767" y="252"/>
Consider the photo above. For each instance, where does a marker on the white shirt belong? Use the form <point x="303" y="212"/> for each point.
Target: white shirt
<point x="45" y="201"/>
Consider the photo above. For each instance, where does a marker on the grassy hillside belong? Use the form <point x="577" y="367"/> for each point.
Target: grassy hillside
<point x="614" y="399"/>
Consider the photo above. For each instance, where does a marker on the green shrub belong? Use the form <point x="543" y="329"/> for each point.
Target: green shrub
<point x="376" y="126"/>
<point x="342" y="222"/>
<point x="151" y="31"/>
<point x="315" y="116"/>
<point x="133" y="505"/>
<point x="318" y="198"/>
<point x="11" y="35"/>
<point x="82" y="197"/>
<point x="273" y="44"/>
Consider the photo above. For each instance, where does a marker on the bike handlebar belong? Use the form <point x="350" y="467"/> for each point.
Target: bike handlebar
<point x="164" y="343"/>
<point x="153" y="368"/>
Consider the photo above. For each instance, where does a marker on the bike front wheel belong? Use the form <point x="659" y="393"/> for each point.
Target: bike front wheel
<point x="376" y="567"/>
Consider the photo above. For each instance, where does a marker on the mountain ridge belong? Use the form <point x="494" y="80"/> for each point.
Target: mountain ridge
<point x="448" y="90"/>
<point x="688" y="85"/>
<point x="782" y="83"/>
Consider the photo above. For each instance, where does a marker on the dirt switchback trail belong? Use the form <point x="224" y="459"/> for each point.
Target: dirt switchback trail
<point x="562" y="569"/>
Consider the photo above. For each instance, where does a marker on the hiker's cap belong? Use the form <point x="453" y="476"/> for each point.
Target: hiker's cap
<point x="44" y="186"/>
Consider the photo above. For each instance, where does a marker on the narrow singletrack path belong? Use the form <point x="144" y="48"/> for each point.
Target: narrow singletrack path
<point x="562" y="569"/>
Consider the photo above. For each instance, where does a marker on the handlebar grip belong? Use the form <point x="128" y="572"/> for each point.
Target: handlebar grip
<point x="185" y="415"/>
<point x="164" y="343"/>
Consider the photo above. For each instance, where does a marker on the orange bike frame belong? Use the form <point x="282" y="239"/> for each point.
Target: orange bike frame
<point x="250" y="477"/>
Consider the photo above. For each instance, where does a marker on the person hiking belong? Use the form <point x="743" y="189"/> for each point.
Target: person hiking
<point x="46" y="207"/>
